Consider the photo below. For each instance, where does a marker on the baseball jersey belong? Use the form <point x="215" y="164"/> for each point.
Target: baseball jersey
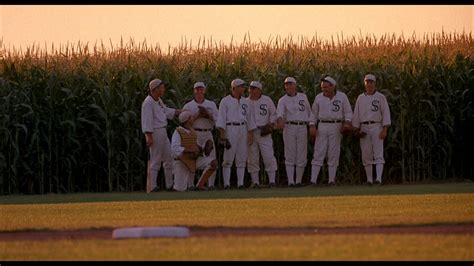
<point x="337" y="108"/>
<point x="155" y="114"/>
<point x="232" y="110"/>
<point x="294" y="108"/>
<point x="264" y="110"/>
<point x="202" y="123"/>
<point x="371" y="108"/>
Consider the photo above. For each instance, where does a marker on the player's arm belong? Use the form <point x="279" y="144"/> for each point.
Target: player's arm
<point x="347" y="109"/>
<point x="280" y="113"/>
<point x="176" y="148"/>
<point x="386" y="122"/>
<point x="147" y="122"/>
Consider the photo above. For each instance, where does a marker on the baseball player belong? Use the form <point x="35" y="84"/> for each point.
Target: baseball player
<point x="204" y="114"/>
<point x="265" y="118"/>
<point x="293" y="115"/>
<point x="189" y="155"/>
<point x="235" y="123"/>
<point x="371" y="121"/>
<point x="331" y="112"/>
<point x="154" y="121"/>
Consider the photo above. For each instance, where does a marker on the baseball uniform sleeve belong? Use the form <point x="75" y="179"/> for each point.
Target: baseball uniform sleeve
<point x="251" y="118"/>
<point x="347" y="109"/>
<point x="176" y="147"/>
<point x="222" y="118"/>
<point x="315" y="112"/>
<point x="272" y="109"/>
<point x="169" y="112"/>
<point x="280" y="108"/>
<point x="355" y="117"/>
<point x="310" y="118"/>
<point x="386" y="121"/>
<point x="147" y="116"/>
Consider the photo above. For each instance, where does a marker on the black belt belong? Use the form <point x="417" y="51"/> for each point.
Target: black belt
<point x="330" y="121"/>
<point x="202" y="129"/>
<point x="235" y="124"/>
<point x="297" y="122"/>
<point x="369" y="122"/>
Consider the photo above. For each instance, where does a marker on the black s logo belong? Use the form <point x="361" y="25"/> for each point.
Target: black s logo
<point x="302" y="106"/>
<point x="263" y="109"/>
<point x="244" y="109"/>
<point x="336" y="106"/>
<point x="375" y="105"/>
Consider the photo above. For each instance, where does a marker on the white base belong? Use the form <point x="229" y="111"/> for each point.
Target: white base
<point x="146" y="232"/>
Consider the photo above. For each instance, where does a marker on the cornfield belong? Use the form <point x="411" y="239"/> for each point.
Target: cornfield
<point x="70" y="116"/>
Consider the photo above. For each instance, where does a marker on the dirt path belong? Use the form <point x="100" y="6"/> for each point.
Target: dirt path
<point x="467" y="229"/>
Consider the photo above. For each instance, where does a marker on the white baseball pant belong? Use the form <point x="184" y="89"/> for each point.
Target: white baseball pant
<point x="160" y="152"/>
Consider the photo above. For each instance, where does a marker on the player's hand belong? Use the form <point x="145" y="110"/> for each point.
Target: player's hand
<point x="250" y="137"/>
<point x="178" y="111"/>
<point x="149" y="140"/>
<point x="280" y="124"/>
<point x="383" y="133"/>
<point x="313" y="132"/>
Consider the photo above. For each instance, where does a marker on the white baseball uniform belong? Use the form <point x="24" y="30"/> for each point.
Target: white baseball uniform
<point x="371" y="114"/>
<point x="236" y="118"/>
<point x="264" y="113"/>
<point x="154" y="119"/>
<point x="204" y="126"/>
<point x="329" y="115"/>
<point x="183" y="176"/>
<point x="296" y="113"/>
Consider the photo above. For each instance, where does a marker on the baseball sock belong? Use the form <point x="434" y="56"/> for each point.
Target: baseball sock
<point x="168" y="177"/>
<point x="226" y="174"/>
<point x="212" y="180"/>
<point x="368" y="172"/>
<point x="240" y="176"/>
<point x="255" y="178"/>
<point x="332" y="174"/>
<point x="271" y="176"/>
<point x="299" y="174"/>
<point x="379" y="170"/>
<point x="314" y="173"/>
<point x="290" y="173"/>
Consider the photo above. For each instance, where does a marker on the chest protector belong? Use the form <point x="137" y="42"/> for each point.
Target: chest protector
<point x="188" y="141"/>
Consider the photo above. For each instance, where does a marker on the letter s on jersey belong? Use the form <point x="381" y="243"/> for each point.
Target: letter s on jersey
<point x="244" y="109"/>
<point x="375" y="105"/>
<point x="263" y="109"/>
<point x="302" y="106"/>
<point x="336" y="106"/>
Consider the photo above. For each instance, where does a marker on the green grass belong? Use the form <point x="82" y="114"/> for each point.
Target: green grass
<point x="347" y="190"/>
<point x="298" y="247"/>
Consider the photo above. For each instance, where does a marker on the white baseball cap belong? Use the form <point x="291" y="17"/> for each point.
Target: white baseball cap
<point x="184" y="116"/>
<point x="369" y="77"/>
<point x="199" y="84"/>
<point x="290" y="80"/>
<point x="236" y="83"/>
<point x="155" y="83"/>
<point x="256" y="84"/>
<point x="330" y="80"/>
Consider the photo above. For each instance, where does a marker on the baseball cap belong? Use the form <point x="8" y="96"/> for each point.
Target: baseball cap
<point x="236" y="83"/>
<point x="256" y="84"/>
<point x="330" y="80"/>
<point x="184" y="116"/>
<point x="199" y="84"/>
<point x="155" y="83"/>
<point x="290" y="80"/>
<point x="369" y="77"/>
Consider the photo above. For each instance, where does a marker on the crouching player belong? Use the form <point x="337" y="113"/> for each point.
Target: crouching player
<point x="189" y="156"/>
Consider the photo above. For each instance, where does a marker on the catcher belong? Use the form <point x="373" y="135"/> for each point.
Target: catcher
<point x="189" y="156"/>
<point x="265" y="117"/>
<point x="333" y="114"/>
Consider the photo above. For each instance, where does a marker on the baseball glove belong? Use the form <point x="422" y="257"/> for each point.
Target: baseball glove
<point x="203" y="112"/>
<point x="346" y="130"/>
<point x="359" y="134"/>
<point x="266" y="129"/>
<point x="225" y="143"/>
<point x="208" y="147"/>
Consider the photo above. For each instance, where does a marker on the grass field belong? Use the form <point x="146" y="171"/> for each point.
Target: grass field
<point x="342" y="206"/>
